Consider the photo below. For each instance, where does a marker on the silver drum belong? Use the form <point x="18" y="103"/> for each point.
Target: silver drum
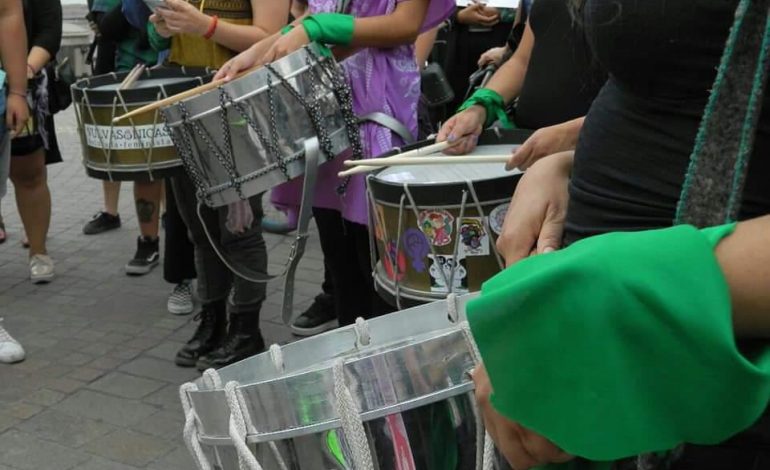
<point x="404" y="375"/>
<point x="248" y="135"/>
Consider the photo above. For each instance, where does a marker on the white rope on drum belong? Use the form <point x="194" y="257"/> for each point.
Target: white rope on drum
<point x="485" y="453"/>
<point x="350" y="416"/>
<point x="363" y="336"/>
<point x="451" y="305"/>
<point x="276" y="355"/>
<point x="191" y="437"/>
<point x="212" y="379"/>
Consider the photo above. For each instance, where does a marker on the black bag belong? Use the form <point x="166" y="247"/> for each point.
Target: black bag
<point x="435" y="87"/>
<point x="60" y="79"/>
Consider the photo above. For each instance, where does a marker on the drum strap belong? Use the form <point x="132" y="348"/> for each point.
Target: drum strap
<point x="391" y="123"/>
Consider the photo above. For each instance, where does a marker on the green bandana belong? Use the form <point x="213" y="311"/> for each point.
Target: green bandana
<point x="330" y="28"/>
<point x="619" y="345"/>
<point x="493" y="103"/>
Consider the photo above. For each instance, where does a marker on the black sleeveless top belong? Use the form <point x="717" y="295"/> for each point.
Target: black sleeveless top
<point x="635" y="145"/>
<point x="562" y="77"/>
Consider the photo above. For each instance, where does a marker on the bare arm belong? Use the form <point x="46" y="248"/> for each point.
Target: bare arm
<point x="269" y="16"/>
<point x="13" y="45"/>
<point x="509" y="78"/>
<point x="745" y="260"/>
<point x="400" y="27"/>
<point x="424" y="45"/>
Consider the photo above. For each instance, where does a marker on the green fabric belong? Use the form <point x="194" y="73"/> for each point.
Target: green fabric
<point x="493" y="103"/>
<point x="129" y="54"/>
<point x="619" y="345"/>
<point x="330" y="28"/>
<point x="286" y="29"/>
<point x="157" y="42"/>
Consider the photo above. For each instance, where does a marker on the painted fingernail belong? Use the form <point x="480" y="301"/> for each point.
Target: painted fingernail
<point x="451" y="138"/>
<point x="548" y="249"/>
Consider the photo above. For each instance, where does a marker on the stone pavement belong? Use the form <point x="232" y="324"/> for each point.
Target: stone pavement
<point x="98" y="390"/>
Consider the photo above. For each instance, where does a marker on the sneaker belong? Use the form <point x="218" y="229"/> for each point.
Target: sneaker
<point x="180" y="302"/>
<point x="102" y="222"/>
<point x="146" y="257"/>
<point x="319" y="317"/>
<point x="41" y="269"/>
<point x="10" y="349"/>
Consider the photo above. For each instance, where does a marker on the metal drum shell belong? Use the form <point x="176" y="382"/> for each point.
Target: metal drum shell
<point x="414" y="287"/>
<point x="416" y="357"/>
<point x="258" y="169"/>
<point x="132" y="165"/>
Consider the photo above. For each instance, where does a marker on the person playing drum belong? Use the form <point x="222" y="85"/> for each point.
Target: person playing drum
<point x="377" y="36"/>
<point x="652" y="340"/>
<point x="207" y="33"/>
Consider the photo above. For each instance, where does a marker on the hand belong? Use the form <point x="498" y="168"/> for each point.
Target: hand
<point x="522" y="448"/>
<point x="182" y="17"/>
<point x="544" y="142"/>
<point x="534" y="223"/>
<point x="285" y="45"/>
<point x="478" y="14"/>
<point x="160" y="25"/>
<point x="246" y="59"/>
<point x="493" y="56"/>
<point x="463" y="130"/>
<point x="16" y="113"/>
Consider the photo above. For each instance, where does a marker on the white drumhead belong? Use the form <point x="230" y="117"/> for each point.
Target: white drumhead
<point x="444" y="174"/>
<point x="148" y="83"/>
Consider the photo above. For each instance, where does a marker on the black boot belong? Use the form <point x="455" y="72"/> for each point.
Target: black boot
<point x="243" y="340"/>
<point x="208" y="336"/>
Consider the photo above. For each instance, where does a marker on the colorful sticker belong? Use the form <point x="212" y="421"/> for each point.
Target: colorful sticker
<point x="497" y="218"/>
<point x="474" y="239"/>
<point x="379" y="222"/>
<point x="455" y="273"/>
<point x="416" y="246"/>
<point x="437" y="226"/>
<point x="388" y="262"/>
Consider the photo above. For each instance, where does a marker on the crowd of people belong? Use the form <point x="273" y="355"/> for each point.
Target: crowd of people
<point x="621" y="240"/>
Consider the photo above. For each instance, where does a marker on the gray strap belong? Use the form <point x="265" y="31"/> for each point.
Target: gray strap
<point x="389" y="122"/>
<point x="312" y="150"/>
<point x="342" y="6"/>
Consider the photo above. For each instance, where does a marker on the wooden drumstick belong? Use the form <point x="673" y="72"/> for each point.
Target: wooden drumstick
<point x="427" y="150"/>
<point x="132" y="77"/>
<point x="365" y="166"/>
<point x="180" y="96"/>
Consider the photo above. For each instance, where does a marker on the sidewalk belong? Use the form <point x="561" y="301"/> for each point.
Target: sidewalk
<point x="99" y="390"/>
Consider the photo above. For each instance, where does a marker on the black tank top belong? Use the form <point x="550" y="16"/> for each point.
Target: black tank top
<point x="562" y="77"/>
<point x="635" y="145"/>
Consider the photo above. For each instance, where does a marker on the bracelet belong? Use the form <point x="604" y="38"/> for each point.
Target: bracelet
<point x="212" y="27"/>
<point x="18" y="93"/>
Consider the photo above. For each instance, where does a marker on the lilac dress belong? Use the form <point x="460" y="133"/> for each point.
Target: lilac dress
<point x="384" y="80"/>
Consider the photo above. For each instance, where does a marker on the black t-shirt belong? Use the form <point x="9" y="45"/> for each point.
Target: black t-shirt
<point x="562" y="77"/>
<point x="636" y="142"/>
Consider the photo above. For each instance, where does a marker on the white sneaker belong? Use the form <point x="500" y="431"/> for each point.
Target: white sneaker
<point x="180" y="302"/>
<point x="41" y="269"/>
<point x="10" y="349"/>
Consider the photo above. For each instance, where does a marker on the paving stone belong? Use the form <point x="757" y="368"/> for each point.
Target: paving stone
<point x="113" y="410"/>
<point x="65" y="429"/>
<point x="159" y="370"/>
<point x="22" y="410"/>
<point x="129" y="447"/>
<point x="167" y="397"/>
<point x="177" y="459"/>
<point x="164" y="424"/>
<point x="63" y="384"/>
<point x="6" y="421"/>
<point x="45" y="397"/>
<point x="106" y="363"/>
<point x="26" y="452"/>
<point x="98" y="463"/>
<point x="125" y="385"/>
<point x="86" y="374"/>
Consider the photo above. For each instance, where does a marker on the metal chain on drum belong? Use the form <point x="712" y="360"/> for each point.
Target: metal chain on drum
<point x="227" y="160"/>
<point x="186" y="153"/>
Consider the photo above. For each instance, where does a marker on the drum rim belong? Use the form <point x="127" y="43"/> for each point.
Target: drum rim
<point x="257" y="75"/>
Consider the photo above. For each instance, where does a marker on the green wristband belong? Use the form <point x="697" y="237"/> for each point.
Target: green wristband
<point x="330" y="28"/>
<point x="493" y="103"/>
<point x="286" y="29"/>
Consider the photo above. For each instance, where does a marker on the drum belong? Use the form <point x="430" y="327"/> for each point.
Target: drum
<point x="141" y="148"/>
<point x="435" y="227"/>
<point x="248" y="135"/>
<point x="388" y="393"/>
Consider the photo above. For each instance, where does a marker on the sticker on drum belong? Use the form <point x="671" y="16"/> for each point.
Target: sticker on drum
<point x="497" y="218"/>
<point x="474" y="239"/>
<point x="437" y="226"/>
<point x="416" y="246"/>
<point x="397" y="272"/>
<point x="379" y="223"/>
<point x="448" y="265"/>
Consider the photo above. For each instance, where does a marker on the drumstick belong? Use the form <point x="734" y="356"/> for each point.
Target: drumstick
<point x="180" y="96"/>
<point x="375" y="163"/>
<point x="427" y="150"/>
<point x="132" y="77"/>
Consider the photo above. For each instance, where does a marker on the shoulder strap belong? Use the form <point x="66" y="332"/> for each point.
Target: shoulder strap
<point x="342" y="6"/>
<point x="713" y="186"/>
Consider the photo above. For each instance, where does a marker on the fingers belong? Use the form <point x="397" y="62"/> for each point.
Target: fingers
<point x="446" y="129"/>
<point x="521" y="155"/>
<point x="552" y="231"/>
<point x="484" y="60"/>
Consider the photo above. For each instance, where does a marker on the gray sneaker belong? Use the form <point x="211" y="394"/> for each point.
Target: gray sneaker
<point x="41" y="269"/>
<point x="10" y="349"/>
<point x="180" y="302"/>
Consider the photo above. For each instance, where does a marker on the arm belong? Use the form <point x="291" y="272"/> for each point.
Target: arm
<point x="509" y="78"/>
<point x="745" y="260"/>
<point x="424" y="45"/>
<point x="48" y="32"/>
<point x="13" y="44"/>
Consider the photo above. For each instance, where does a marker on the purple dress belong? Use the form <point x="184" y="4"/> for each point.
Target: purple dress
<point x="384" y="80"/>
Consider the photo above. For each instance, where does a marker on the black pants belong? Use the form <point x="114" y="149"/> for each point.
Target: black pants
<point x="179" y="256"/>
<point x="345" y="246"/>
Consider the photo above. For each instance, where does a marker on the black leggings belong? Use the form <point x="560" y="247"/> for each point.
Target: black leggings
<point x="345" y="246"/>
<point x="179" y="256"/>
